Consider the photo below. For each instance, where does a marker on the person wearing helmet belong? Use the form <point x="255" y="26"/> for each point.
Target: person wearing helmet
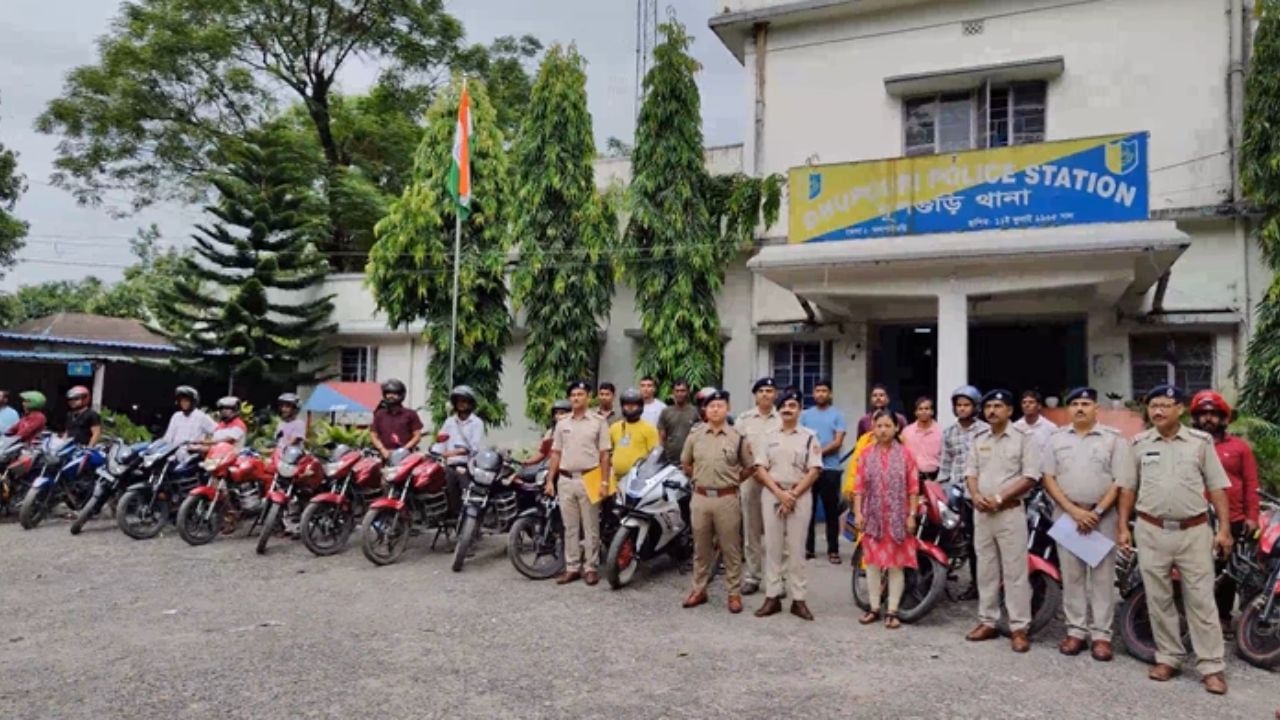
<point x="956" y="442"/>
<point x="466" y="433"/>
<point x="633" y="437"/>
<point x="675" y="422"/>
<point x="230" y="427"/>
<point x="1211" y="413"/>
<point x="394" y="425"/>
<point x="33" y="421"/>
<point x="8" y="416"/>
<point x="189" y="423"/>
<point x="84" y="425"/>
<point x="292" y="428"/>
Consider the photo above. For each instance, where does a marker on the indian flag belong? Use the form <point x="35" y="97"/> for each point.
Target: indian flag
<point x="460" y="170"/>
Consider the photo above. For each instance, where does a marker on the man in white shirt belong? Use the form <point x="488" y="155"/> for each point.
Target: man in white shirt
<point x="466" y="438"/>
<point x="189" y="424"/>
<point x="1032" y="422"/>
<point x="653" y="407"/>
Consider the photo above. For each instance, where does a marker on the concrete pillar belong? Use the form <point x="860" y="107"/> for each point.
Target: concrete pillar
<point x="99" y="382"/>
<point x="953" y="349"/>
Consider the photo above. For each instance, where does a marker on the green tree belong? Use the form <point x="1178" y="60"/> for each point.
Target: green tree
<point x="178" y="82"/>
<point x="410" y="267"/>
<point x="244" y="308"/>
<point x="1260" y="181"/>
<point x="12" y="230"/>
<point x="565" y="232"/>
<point x="685" y="225"/>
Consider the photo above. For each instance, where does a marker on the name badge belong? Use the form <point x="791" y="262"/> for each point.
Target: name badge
<point x="625" y="441"/>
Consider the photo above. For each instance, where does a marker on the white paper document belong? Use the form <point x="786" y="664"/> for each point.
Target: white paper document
<point x="1091" y="548"/>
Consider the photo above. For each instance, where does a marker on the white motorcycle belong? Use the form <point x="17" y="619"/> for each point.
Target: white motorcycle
<point x="653" y="501"/>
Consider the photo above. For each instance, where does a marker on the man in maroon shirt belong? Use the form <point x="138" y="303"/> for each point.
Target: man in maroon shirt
<point x="879" y="401"/>
<point x="394" y="425"/>
<point x="1211" y="413"/>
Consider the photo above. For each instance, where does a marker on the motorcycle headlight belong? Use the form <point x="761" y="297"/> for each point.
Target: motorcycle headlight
<point x="285" y="470"/>
<point x="388" y="474"/>
<point x="950" y="518"/>
<point x="482" y="477"/>
<point x="331" y="468"/>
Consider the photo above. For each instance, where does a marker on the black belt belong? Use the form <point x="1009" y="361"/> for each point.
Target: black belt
<point x="929" y="475"/>
<point x="571" y="473"/>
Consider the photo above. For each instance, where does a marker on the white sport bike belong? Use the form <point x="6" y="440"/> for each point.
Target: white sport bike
<point x="653" y="504"/>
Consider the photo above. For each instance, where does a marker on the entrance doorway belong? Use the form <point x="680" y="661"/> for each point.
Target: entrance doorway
<point x="1046" y="355"/>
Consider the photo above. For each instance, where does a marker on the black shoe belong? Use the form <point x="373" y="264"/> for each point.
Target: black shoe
<point x="809" y="555"/>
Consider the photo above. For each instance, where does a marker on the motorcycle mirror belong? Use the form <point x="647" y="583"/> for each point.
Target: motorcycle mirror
<point x="671" y="484"/>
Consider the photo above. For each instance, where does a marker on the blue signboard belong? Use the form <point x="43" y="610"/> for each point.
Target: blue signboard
<point x="80" y="369"/>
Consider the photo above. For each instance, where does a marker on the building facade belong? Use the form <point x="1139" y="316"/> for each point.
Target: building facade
<point x="1029" y="193"/>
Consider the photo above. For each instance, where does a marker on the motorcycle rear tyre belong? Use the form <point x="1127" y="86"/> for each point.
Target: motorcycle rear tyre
<point x="339" y="541"/>
<point x="368" y="534"/>
<point x="1050" y="592"/>
<point x="1134" y="625"/>
<point x="466" y="536"/>
<point x="1249" y="636"/>
<point x="935" y="590"/>
<point x="268" y="528"/>
<point x="34" y="508"/>
<point x="532" y="528"/>
<point x="620" y="577"/>
<point x="189" y="524"/>
<point x="140" y="532"/>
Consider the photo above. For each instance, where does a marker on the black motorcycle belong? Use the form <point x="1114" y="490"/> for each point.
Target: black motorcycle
<point x="489" y="502"/>
<point x="121" y="470"/>
<point x="535" y="543"/>
<point x="168" y="473"/>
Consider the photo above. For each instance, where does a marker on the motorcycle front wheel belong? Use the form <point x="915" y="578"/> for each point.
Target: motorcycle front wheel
<point x="1258" y="642"/>
<point x="621" y="561"/>
<point x="325" y="528"/>
<point x="536" y="553"/>
<point x="466" y="537"/>
<point x="923" y="586"/>
<point x="139" y="518"/>
<point x="35" y="507"/>
<point x="87" y="511"/>
<point x="268" y="527"/>
<point x="199" y="520"/>
<point x="384" y="535"/>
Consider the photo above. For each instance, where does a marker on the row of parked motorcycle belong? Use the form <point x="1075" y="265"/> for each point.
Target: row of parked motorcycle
<point x="945" y="543"/>
<point x="208" y="491"/>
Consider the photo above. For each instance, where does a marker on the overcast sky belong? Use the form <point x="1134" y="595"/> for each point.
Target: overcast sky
<point x="43" y="39"/>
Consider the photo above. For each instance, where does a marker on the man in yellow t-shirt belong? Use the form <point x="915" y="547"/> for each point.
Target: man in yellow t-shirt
<point x="633" y="438"/>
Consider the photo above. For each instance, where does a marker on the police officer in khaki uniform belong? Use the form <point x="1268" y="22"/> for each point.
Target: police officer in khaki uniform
<point x="755" y="423"/>
<point x="788" y="463"/>
<point x="1081" y="465"/>
<point x="579" y="444"/>
<point x="1175" y="466"/>
<point x="1003" y="464"/>
<point x="715" y="457"/>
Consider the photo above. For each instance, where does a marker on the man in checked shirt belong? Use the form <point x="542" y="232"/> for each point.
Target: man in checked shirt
<point x="956" y="442"/>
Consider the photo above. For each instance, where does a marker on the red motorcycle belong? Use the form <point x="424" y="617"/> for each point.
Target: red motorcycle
<point x="236" y="487"/>
<point x="355" y="479"/>
<point x="1258" y="628"/>
<point x="299" y="476"/>
<point x="415" y="494"/>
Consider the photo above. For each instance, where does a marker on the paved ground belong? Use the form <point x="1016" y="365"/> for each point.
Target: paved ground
<point x="101" y="626"/>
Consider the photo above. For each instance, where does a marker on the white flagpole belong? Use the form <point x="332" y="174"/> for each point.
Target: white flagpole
<point x="453" y="332"/>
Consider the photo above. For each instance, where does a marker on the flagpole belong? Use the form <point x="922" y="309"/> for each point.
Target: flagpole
<point x="453" y="337"/>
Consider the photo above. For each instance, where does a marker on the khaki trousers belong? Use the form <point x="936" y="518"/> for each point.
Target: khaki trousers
<point x="1085" y="588"/>
<point x="753" y="529"/>
<point x="1000" y="541"/>
<point x="1191" y="551"/>
<point x="784" y="537"/>
<point x="716" y="519"/>
<point x="580" y="515"/>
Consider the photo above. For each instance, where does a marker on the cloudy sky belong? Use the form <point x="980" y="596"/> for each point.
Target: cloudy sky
<point x="43" y="39"/>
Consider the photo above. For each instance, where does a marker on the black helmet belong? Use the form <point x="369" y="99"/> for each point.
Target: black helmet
<point x="632" y="404"/>
<point x="462" y="391"/>
<point x="561" y="405"/>
<point x="188" y="392"/>
<point x="393" y="387"/>
<point x="288" y="399"/>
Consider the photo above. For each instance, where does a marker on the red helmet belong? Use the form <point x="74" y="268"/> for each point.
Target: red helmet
<point x="1210" y="401"/>
<point x="78" y="391"/>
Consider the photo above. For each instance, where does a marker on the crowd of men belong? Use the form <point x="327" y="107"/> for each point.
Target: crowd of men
<point x="759" y="479"/>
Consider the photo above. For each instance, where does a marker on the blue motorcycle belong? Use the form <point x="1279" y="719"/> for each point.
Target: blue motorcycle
<point x="164" y="475"/>
<point x="123" y="467"/>
<point x="66" y="477"/>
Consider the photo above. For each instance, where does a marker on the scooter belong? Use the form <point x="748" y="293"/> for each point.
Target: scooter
<point x="654" y="511"/>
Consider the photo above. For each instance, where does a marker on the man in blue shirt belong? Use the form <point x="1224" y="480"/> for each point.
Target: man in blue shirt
<point x="828" y="424"/>
<point x="8" y="416"/>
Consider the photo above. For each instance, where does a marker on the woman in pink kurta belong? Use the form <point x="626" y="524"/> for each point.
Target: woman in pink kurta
<point x="885" y="498"/>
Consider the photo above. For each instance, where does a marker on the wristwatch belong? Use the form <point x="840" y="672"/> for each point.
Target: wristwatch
<point x="999" y="501"/>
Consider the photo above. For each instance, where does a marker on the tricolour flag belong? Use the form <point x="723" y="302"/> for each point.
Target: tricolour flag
<point x="460" y="170"/>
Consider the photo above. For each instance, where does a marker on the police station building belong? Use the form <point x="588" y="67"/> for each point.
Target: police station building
<point x="1030" y="193"/>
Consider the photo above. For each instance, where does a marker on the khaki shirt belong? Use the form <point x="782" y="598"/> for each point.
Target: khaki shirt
<point x="752" y="422"/>
<point x="1171" y="476"/>
<point x="718" y="456"/>
<point x="998" y="460"/>
<point x="580" y="440"/>
<point x="788" y="455"/>
<point x="1086" y="466"/>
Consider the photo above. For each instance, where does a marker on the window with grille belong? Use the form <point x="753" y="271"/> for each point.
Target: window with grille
<point x="802" y="365"/>
<point x="358" y="364"/>
<point x="986" y="117"/>
<point x="1183" y="359"/>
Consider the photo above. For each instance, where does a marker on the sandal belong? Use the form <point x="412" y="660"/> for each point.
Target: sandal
<point x="833" y="558"/>
<point x="892" y="622"/>
<point x="869" y="617"/>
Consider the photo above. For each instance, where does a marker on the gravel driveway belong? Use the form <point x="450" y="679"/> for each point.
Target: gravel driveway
<point x="101" y="626"/>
